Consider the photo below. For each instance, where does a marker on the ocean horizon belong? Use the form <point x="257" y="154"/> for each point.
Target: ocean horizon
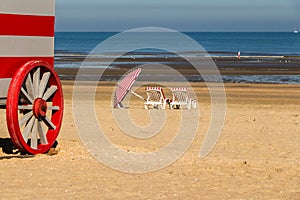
<point x="261" y="43"/>
<point x="268" y="49"/>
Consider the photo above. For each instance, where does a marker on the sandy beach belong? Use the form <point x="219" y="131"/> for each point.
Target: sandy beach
<point x="238" y="137"/>
<point x="256" y="157"/>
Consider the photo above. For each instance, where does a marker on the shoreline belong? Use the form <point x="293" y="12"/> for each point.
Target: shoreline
<point x="245" y="70"/>
<point x="115" y="67"/>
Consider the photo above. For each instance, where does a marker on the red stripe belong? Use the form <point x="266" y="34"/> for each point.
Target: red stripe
<point x="9" y="65"/>
<point x="27" y="25"/>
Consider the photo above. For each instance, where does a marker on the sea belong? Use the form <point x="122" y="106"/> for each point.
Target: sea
<point x="213" y="44"/>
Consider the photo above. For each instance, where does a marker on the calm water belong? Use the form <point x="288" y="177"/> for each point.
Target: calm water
<point x="256" y="43"/>
<point x="217" y="44"/>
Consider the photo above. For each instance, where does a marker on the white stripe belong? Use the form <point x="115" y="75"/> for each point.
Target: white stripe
<point x="26" y="46"/>
<point x="28" y="7"/>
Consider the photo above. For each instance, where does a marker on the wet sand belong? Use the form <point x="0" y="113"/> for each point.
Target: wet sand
<point x="251" y="65"/>
<point x="256" y="157"/>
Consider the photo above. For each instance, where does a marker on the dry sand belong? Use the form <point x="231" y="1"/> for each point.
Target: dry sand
<point x="256" y="157"/>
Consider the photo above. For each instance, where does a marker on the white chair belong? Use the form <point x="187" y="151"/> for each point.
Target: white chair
<point x="180" y="98"/>
<point x="155" y="98"/>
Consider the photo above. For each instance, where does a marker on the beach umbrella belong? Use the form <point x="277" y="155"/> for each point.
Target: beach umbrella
<point x="124" y="86"/>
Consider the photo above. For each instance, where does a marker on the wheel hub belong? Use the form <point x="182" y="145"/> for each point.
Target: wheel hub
<point x="39" y="108"/>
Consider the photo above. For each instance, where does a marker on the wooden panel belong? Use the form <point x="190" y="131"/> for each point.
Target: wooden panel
<point x="28" y="7"/>
<point x="4" y="84"/>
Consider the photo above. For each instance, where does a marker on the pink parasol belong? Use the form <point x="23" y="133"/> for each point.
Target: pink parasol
<point x="124" y="86"/>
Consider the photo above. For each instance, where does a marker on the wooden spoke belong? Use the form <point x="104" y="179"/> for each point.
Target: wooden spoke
<point x="25" y="119"/>
<point x="36" y="82"/>
<point x="29" y="86"/>
<point x="28" y="129"/>
<point x="42" y="133"/>
<point x="43" y="84"/>
<point x="49" y="92"/>
<point x="25" y="107"/>
<point x="34" y="140"/>
<point x="49" y="123"/>
<point x="27" y="95"/>
<point x="53" y="107"/>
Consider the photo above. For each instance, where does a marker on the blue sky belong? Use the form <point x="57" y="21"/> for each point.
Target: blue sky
<point x="181" y="15"/>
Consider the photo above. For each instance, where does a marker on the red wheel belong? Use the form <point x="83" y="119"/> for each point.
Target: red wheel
<point x="34" y="107"/>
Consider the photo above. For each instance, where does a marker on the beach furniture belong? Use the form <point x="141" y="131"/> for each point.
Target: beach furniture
<point x="155" y="98"/>
<point x="30" y="89"/>
<point x="180" y="98"/>
<point x="124" y="86"/>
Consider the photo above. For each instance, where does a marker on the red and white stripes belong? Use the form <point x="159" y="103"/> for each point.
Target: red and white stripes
<point x="125" y="85"/>
<point x="153" y="88"/>
<point x="26" y="33"/>
<point x="179" y="89"/>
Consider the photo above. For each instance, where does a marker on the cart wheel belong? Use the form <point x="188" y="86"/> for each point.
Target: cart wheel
<point x="34" y="107"/>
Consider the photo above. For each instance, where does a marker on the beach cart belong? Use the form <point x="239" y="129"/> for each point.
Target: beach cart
<point x="30" y="90"/>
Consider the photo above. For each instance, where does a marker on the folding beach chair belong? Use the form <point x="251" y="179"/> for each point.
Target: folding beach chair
<point x="180" y="98"/>
<point x="155" y="98"/>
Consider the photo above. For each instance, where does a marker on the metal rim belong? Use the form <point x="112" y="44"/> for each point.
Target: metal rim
<point x="34" y="107"/>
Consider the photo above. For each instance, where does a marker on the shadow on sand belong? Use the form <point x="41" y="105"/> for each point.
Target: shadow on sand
<point x="8" y="147"/>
